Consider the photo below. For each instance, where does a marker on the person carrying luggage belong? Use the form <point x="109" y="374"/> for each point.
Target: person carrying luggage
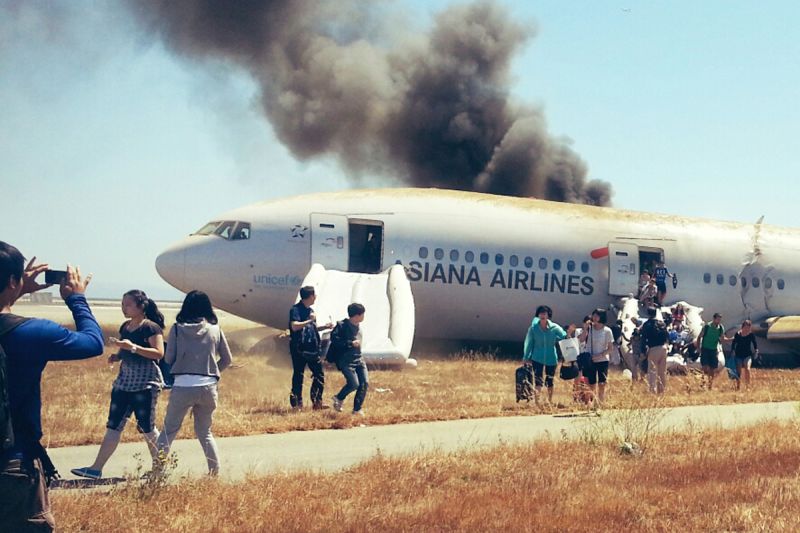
<point x="346" y="344"/>
<point x="304" y="347"/>
<point x="599" y="342"/>
<point x="539" y="350"/>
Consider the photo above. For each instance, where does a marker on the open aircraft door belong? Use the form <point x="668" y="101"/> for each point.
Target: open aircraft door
<point x="329" y="241"/>
<point x="623" y="271"/>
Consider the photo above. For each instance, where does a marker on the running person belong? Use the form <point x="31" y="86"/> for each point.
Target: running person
<point x="139" y="380"/>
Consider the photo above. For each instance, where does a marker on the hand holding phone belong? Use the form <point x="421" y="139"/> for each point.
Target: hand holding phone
<point x="74" y="283"/>
<point x="32" y="271"/>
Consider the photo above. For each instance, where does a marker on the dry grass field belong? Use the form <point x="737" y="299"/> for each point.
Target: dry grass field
<point x="702" y="480"/>
<point x="254" y="396"/>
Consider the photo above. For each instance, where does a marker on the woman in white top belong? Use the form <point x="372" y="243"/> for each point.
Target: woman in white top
<point x="198" y="352"/>
<point x="599" y="342"/>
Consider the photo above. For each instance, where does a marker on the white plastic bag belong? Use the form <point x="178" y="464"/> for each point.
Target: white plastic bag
<point x="570" y="348"/>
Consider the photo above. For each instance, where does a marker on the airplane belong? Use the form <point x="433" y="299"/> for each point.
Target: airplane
<point x="479" y="264"/>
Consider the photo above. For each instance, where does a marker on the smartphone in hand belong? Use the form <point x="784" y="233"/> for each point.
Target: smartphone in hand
<point x="54" y="277"/>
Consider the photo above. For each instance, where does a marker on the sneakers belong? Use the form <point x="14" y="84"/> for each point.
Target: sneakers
<point x="359" y="413"/>
<point x="87" y="472"/>
<point x="337" y="404"/>
<point x="319" y="406"/>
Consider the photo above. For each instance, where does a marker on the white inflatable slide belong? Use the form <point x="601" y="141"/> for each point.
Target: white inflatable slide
<point x="388" y="327"/>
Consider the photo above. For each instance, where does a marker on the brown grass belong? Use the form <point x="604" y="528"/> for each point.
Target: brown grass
<point x="254" y="396"/>
<point x="712" y="480"/>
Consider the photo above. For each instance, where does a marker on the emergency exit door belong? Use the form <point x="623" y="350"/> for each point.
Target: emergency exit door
<point x="329" y="241"/>
<point x="623" y="271"/>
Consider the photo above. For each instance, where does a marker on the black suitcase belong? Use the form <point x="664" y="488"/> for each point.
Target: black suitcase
<point x="524" y="380"/>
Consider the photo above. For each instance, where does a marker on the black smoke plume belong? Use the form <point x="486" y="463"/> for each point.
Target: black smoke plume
<point x="434" y="110"/>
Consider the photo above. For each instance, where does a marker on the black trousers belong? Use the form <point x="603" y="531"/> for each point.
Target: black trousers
<point x="299" y="364"/>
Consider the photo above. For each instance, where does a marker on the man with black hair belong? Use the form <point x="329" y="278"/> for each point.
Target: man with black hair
<point x="301" y="316"/>
<point x="29" y="344"/>
<point x="654" y="339"/>
<point x="346" y="342"/>
<point x="712" y="334"/>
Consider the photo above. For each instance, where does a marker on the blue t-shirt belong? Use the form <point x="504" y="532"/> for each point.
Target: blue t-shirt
<point x="29" y="347"/>
<point x="661" y="274"/>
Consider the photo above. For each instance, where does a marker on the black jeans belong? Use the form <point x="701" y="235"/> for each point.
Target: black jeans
<point x="317" y="379"/>
<point x="357" y="379"/>
<point x="548" y="370"/>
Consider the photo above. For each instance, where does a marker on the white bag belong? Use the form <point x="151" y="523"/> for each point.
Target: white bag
<point x="614" y="357"/>
<point x="570" y="348"/>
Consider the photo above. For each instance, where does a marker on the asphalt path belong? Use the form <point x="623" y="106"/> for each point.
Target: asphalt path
<point x="335" y="449"/>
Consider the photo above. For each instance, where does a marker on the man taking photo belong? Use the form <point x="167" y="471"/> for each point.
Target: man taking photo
<point x="27" y="345"/>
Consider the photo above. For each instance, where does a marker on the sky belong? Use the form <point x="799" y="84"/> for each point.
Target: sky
<point x="112" y="148"/>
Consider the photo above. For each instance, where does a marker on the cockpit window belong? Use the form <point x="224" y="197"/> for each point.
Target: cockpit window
<point x="231" y="230"/>
<point x="242" y="231"/>
<point x="225" y="229"/>
<point x="208" y="229"/>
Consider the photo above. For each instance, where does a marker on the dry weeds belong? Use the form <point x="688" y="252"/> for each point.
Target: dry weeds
<point x="711" y="480"/>
<point x="254" y="396"/>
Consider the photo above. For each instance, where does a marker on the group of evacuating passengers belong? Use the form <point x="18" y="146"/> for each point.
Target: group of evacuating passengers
<point x="343" y="350"/>
<point x="196" y="350"/>
<point x="589" y="369"/>
<point x="597" y="345"/>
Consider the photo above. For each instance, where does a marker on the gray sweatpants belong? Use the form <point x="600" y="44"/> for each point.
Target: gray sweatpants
<point x="202" y="401"/>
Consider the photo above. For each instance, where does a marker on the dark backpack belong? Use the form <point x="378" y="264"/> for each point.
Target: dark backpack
<point x="7" y="323"/>
<point x="335" y="348"/>
<point x="524" y="383"/>
<point x="309" y="341"/>
<point x="659" y="335"/>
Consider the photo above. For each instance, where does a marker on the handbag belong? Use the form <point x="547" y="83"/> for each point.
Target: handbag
<point x="568" y="371"/>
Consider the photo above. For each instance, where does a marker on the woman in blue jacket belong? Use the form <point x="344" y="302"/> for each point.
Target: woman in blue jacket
<point x="540" y="348"/>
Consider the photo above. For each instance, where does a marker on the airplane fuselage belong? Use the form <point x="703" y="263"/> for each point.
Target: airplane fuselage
<point x="480" y="264"/>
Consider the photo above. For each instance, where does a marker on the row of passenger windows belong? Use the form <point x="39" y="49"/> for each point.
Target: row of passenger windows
<point x="755" y="282"/>
<point x="499" y="259"/>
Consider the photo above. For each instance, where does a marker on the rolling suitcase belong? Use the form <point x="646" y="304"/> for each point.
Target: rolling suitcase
<point x="524" y="380"/>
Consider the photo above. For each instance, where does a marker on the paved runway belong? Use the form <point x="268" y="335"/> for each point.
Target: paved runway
<point x="328" y="450"/>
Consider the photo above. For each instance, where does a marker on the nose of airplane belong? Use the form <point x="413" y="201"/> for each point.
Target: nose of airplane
<point x="171" y="265"/>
